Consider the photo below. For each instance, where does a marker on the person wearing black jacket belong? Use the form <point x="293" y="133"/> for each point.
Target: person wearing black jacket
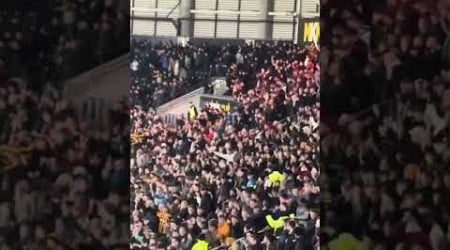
<point x="237" y="228"/>
<point x="186" y="239"/>
<point x="287" y="239"/>
<point x="207" y="203"/>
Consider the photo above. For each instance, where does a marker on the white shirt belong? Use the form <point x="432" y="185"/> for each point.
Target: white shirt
<point x="134" y="65"/>
<point x="176" y="68"/>
<point x="432" y="118"/>
<point x="239" y="58"/>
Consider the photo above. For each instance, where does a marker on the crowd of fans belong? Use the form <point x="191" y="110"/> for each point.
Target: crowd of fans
<point x="246" y="179"/>
<point x="64" y="182"/>
<point x="385" y="113"/>
<point x="57" y="39"/>
<point x="164" y="71"/>
<point x="225" y="178"/>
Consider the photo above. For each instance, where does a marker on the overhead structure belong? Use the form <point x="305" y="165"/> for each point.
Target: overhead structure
<point x="228" y="19"/>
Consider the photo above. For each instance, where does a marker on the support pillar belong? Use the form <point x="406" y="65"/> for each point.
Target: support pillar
<point x="186" y="23"/>
<point x="266" y="26"/>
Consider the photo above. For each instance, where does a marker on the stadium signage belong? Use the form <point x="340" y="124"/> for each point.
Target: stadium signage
<point x="309" y="30"/>
<point x="219" y="84"/>
<point x="223" y="103"/>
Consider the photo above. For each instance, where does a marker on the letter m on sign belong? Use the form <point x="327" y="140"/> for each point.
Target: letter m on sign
<point x="311" y="31"/>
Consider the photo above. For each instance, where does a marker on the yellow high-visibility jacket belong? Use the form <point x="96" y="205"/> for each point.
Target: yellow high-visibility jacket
<point x="192" y="112"/>
<point x="345" y="241"/>
<point x="278" y="223"/>
<point x="200" y="245"/>
<point x="275" y="176"/>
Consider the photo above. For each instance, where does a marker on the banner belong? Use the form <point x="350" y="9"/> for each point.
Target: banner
<point x="223" y="103"/>
<point x="136" y="138"/>
<point x="309" y="30"/>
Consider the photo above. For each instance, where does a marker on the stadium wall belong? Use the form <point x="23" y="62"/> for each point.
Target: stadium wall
<point x="171" y="110"/>
<point x="233" y="19"/>
<point x="94" y="91"/>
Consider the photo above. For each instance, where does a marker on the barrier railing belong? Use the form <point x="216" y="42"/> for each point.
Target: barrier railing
<point x="170" y="119"/>
<point x="94" y="110"/>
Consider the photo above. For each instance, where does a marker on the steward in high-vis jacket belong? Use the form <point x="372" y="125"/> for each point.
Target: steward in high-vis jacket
<point x="192" y="111"/>
<point x="345" y="241"/>
<point x="276" y="222"/>
<point x="269" y="219"/>
<point x="201" y="243"/>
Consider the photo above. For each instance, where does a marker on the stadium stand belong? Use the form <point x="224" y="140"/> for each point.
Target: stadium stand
<point x="245" y="178"/>
<point x="385" y="124"/>
<point x="64" y="183"/>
